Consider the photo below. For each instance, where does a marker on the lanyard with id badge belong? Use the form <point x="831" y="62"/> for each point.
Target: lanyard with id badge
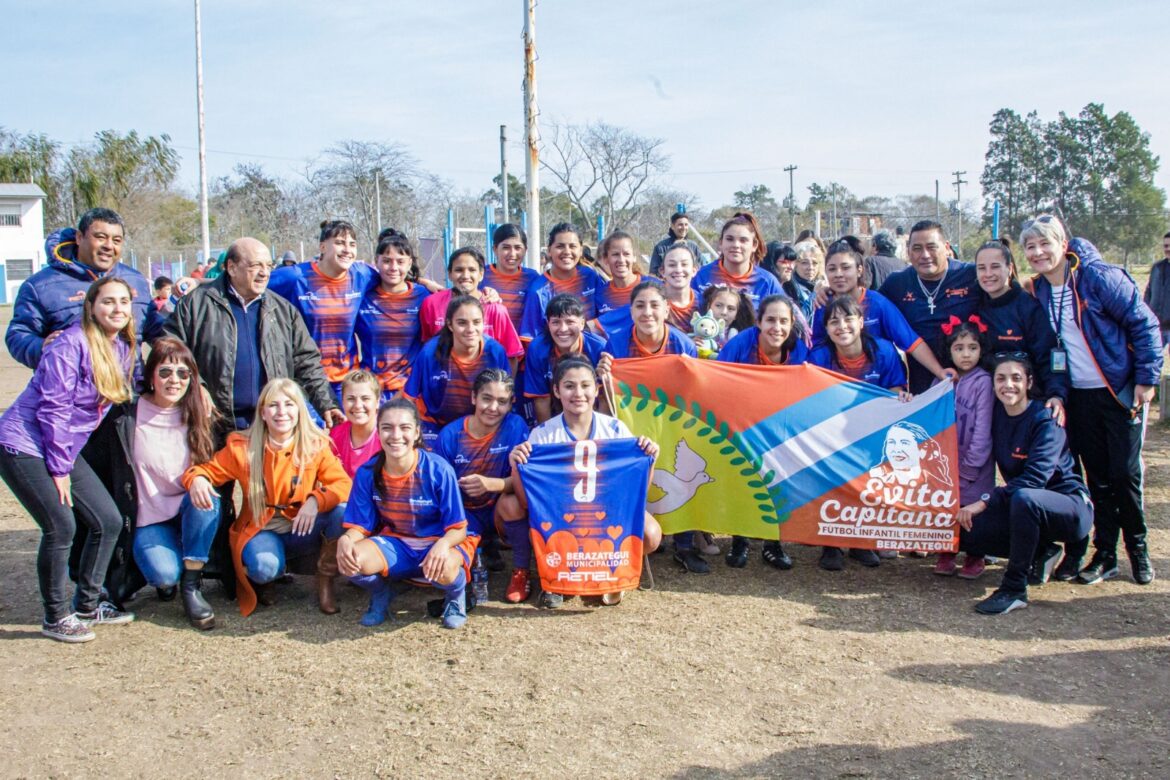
<point x="1058" y="359"/>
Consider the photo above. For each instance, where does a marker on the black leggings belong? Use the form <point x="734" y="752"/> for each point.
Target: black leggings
<point x="29" y="480"/>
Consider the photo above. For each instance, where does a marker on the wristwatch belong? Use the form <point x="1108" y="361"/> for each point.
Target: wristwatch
<point x="985" y="497"/>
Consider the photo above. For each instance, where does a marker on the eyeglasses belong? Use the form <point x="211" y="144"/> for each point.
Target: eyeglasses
<point x="165" y="372"/>
<point x="1016" y="356"/>
<point x="1043" y="219"/>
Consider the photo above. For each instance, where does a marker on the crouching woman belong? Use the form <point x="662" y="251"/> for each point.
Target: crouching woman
<point x="294" y="490"/>
<point x="405" y="521"/>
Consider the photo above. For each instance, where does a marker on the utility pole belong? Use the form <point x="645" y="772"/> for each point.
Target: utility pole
<point x="791" y="200"/>
<point x="532" y="134"/>
<point x="959" y="182"/>
<point x="504" y="172"/>
<point x="204" y="219"/>
<point x="937" y="204"/>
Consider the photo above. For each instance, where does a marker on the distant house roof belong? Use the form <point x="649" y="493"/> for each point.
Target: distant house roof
<point x="11" y="190"/>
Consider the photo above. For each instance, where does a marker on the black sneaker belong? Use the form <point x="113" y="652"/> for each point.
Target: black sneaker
<point x="551" y="600"/>
<point x="1045" y="564"/>
<point x="775" y="556"/>
<point x="865" y="557"/>
<point x="738" y="554"/>
<point x="1102" y="566"/>
<point x="68" y="629"/>
<point x="832" y="559"/>
<point x="493" y="561"/>
<point x="1002" y="601"/>
<point x="692" y="561"/>
<point x="1139" y="561"/>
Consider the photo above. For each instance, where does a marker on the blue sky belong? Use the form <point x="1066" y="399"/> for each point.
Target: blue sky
<point x="882" y="97"/>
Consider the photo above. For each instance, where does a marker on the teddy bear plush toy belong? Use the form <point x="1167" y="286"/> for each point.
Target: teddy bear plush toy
<point x="707" y="331"/>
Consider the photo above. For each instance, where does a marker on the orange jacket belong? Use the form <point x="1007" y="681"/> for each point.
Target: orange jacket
<point x="322" y="478"/>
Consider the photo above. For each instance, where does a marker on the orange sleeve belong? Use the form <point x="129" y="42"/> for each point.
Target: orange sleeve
<point x="226" y="465"/>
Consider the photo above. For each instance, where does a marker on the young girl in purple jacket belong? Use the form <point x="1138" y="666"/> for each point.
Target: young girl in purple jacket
<point x="965" y="345"/>
<point x="81" y="374"/>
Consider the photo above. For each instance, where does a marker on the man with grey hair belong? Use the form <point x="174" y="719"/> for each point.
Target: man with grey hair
<point x="242" y="337"/>
<point x="884" y="260"/>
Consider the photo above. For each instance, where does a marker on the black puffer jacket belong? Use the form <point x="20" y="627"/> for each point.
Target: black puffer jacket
<point x="203" y="320"/>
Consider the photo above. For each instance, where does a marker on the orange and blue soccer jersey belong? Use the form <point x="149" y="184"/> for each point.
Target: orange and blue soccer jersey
<point x="543" y="356"/>
<point x="512" y="289"/>
<point x="586" y="513"/>
<point x="745" y="348"/>
<point x="610" y="297"/>
<point x="583" y="286"/>
<point x="487" y="457"/>
<point x="329" y="307"/>
<point x="417" y="507"/>
<point x="388" y="329"/>
<point x="886" y="369"/>
<point x="680" y="316"/>
<point x="441" y="386"/>
<point x="756" y="284"/>
<point x="623" y="344"/>
<point x="882" y="320"/>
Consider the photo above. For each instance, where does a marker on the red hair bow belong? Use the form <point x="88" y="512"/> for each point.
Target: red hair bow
<point x="978" y="323"/>
<point x="949" y="326"/>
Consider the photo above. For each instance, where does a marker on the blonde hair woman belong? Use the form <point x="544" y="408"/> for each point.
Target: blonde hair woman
<point x="82" y="373"/>
<point x="294" y="490"/>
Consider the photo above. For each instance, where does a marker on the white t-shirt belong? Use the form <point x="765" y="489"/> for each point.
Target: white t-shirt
<point x="1081" y="366"/>
<point x="554" y="430"/>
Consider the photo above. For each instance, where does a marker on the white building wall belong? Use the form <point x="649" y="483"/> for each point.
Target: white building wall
<point x="26" y="242"/>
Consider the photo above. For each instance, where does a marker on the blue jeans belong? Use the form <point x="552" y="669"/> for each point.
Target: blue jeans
<point x="161" y="548"/>
<point x="266" y="554"/>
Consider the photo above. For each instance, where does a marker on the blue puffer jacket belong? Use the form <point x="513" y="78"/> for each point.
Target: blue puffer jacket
<point x="1118" y="326"/>
<point x="50" y="300"/>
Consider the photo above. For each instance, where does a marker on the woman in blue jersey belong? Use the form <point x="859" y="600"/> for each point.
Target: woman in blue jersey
<point x="1017" y="322"/>
<point x="508" y="276"/>
<point x="741" y="248"/>
<point x="405" y="520"/>
<point x="442" y="375"/>
<point x="564" y="334"/>
<point x="328" y="292"/>
<point x="566" y="275"/>
<point x="844" y="267"/>
<point x="650" y="334"/>
<point x="1043" y="501"/>
<point x="477" y="447"/>
<point x="576" y="384"/>
<point x="388" y="325"/>
<point x="777" y="340"/>
<point x="852" y="351"/>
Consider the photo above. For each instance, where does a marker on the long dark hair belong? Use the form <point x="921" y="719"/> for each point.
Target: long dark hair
<point x="336" y="227"/>
<point x="197" y="414"/>
<point x="446" y="337"/>
<point x="509" y="230"/>
<point x="845" y="306"/>
<point x="404" y="404"/>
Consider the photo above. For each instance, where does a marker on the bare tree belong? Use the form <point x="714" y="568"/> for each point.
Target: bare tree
<point x="603" y="169"/>
<point x="347" y="178"/>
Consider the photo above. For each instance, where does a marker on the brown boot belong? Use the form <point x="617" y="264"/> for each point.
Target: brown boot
<point x="326" y="571"/>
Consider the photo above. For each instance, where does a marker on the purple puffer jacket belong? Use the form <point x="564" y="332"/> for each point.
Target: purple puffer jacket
<point x="61" y="407"/>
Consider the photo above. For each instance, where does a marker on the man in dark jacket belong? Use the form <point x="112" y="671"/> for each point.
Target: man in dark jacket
<point x="242" y="337"/>
<point x="1157" y="295"/>
<point x="884" y="260"/>
<point x="50" y="300"/>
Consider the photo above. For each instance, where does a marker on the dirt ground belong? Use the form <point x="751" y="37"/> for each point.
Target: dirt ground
<point x="743" y="673"/>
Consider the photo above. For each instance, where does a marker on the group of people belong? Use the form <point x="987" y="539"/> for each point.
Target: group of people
<point x="375" y="420"/>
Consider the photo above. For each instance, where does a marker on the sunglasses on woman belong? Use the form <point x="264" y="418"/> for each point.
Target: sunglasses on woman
<point x="165" y="372"/>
